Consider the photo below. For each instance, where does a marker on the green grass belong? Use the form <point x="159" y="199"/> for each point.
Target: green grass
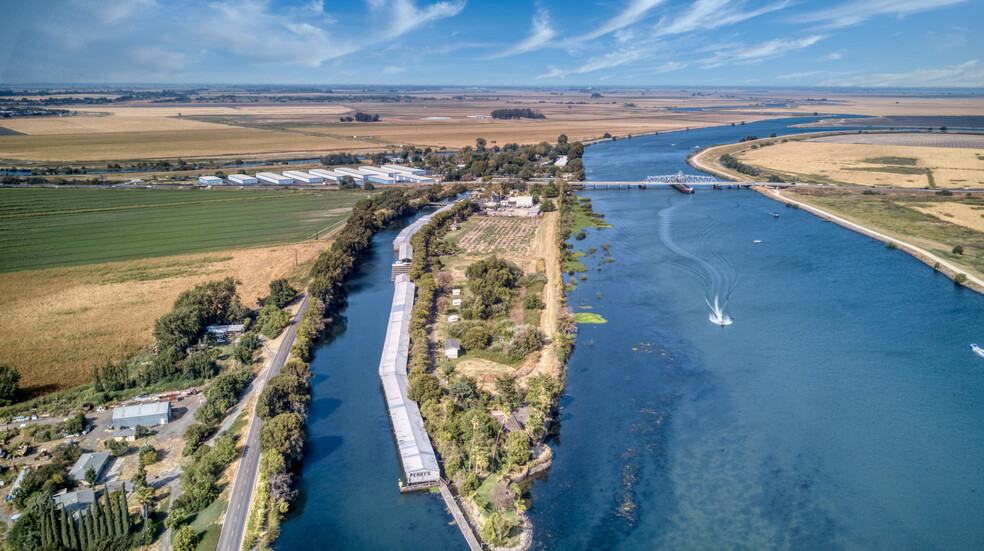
<point x="904" y="161"/>
<point x="49" y="228"/>
<point x="204" y="525"/>
<point x="588" y="317"/>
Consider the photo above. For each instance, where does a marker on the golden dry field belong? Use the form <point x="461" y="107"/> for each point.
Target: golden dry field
<point x="213" y="142"/>
<point x="870" y="165"/>
<point x="968" y="216"/>
<point x="264" y="126"/>
<point x="67" y="319"/>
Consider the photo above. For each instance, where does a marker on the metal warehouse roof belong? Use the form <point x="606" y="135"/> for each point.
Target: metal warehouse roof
<point x="95" y="460"/>
<point x="141" y="410"/>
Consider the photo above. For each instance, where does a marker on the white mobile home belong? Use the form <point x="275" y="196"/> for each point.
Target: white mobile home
<point x="305" y="177"/>
<point x="274" y="178"/>
<point x="243" y="179"/>
<point x="210" y="180"/>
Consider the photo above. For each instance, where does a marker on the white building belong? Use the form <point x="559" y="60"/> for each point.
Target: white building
<point x="210" y="180"/>
<point x="305" y="177"/>
<point x="523" y="200"/>
<point x="406" y="169"/>
<point x="561" y="161"/>
<point x="148" y="415"/>
<point x="328" y="175"/>
<point x="355" y="174"/>
<point x="243" y="179"/>
<point x="371" y="170"/>
<point x="274" y="178"/>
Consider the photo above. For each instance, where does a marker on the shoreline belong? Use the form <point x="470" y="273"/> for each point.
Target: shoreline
<point x="938" y="264"/>
<point x="944" y="267"/>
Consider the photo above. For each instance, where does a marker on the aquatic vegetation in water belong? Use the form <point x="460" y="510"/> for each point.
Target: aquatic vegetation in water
<point x="589" y="317"/>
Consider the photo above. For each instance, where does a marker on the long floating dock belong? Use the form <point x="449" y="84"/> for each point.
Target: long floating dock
<point x="416" y="453"/>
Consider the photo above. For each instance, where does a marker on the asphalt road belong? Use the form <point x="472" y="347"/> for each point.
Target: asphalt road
<point x="234" y="525"/>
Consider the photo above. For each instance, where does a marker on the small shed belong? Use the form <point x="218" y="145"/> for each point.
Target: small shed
<point x="148" y="415"/>
<point x="97" y="461"/>
<point x="453" y="318"/>
<point x="451" y="348"/>
<point x="75" y="502"/>
<point x="455" y="292"/>
<point x="456" y="302"/>
<point x="223" y="330"/>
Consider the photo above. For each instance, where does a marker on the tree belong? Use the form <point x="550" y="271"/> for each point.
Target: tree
<point x="90" y="476"/>
<point x="116" y="447"/>
<point x="9" y="384"/>
<point x="142" y="431"/>
<point x="246" y="349"/>
<point x="184" y="539"/>
<point x="562" y="139"/>
<point x="533" y="301"/>
<point x="281" y="293"/>
<point x="576" y="151"/>
<point x="140" y="477"/>
<point x="202" y="364"/>
<point x="347" y="182"/>
<point x="368" y="186"/>
<point x="501" y="497"/>
<point x="284" y="434"/>
<point x="272" y="320"/>
<point x="148" y="455"/>
<point x="958" y="249"/>
<point x="283" y="393"/>
<point x="476" y="338"/>
<point x="480" y="144"/>
<point x="75" y="424"/>
<point x="548" y="206"/>
<point x="518" y="447"/>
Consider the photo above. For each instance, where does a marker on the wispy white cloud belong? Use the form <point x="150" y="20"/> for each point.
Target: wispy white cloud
<point x="288" y="37"/>
<point x="804" y="74"/>
<point x="393" y="70"/>
<point x="713" y="14"/>
<point x="855" y="12"/>
<point x="759" y="52"/>
<point x="970" y="74"/>
<point x="541" y="34"/>
<point x="832" y="56"/>
<point x="634" y="12"/>
<point x="607" y="61"/>
<point x="406" y="16"/>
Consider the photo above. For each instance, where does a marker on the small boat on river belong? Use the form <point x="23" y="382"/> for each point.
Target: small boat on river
<point x="978" y="350"/>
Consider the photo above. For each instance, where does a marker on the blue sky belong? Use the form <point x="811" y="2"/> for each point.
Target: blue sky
<point x="854" y="43"/>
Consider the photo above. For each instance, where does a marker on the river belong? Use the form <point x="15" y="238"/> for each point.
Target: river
<point x="841" y="410"/>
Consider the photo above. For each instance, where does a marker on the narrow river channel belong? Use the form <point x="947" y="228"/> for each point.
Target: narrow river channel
<point x="841" y="410"/>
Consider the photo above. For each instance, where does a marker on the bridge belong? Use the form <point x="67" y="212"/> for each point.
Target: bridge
<point x="666" y="180"/>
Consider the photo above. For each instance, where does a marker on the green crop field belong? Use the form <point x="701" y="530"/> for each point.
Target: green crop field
<point x="49" y="228"/>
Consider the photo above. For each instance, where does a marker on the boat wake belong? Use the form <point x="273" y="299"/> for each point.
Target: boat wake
<point x="713" y="270"/>
<point x="717" y="314"/>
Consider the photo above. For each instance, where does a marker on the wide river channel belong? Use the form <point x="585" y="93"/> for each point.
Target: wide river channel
<point x="843" y="408"/>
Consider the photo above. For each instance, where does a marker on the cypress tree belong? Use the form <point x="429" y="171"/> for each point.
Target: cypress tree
<point x="83" y="540"/>
<point x="107" y="515"/>
<point x="90" y="536"/>
<point x="45" y="533"/>
<point x="124" y="513"/>
<point x="63" y="526"/>
<point x="97" y="382"/>
<point x="114" y="514"/>
<point x="101" y="532"/>
<point x="73" y="533"/>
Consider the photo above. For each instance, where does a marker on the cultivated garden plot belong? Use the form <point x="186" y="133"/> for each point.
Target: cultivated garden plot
<point x="505" y="236"/>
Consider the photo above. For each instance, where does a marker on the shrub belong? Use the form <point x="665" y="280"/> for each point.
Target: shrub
<point x="272" y="320"/>
<point x="533" y="302"/>
<point x="476" y="338"/>
<point x="958" y="249"/>
<point x="960" y="278"/>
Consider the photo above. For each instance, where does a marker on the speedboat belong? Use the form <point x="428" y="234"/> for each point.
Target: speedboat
<point x="757" y="241"/>
<point x="978" y="350"/>
<point x="775" y="215"/>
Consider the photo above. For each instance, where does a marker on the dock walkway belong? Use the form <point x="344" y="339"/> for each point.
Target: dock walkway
<point x="459" y="518"/>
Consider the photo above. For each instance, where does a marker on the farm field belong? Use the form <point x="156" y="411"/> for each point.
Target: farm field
<point x="503" y="236"/>
<point x="831" y="160"/>
<point x="59" y="322"/>
<point x="47" y="228"/>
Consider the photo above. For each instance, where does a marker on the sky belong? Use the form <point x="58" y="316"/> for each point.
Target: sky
<point x="850" y="43"/>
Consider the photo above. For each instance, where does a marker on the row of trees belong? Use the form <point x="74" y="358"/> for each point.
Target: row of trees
<point x="517" y="113"/>
<point x="106" y="525"/>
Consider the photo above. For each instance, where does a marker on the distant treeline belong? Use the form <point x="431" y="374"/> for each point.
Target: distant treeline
<point x="734" y="164"/>
<point x="361" y="117"/>
<point x="524" y="113"/>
